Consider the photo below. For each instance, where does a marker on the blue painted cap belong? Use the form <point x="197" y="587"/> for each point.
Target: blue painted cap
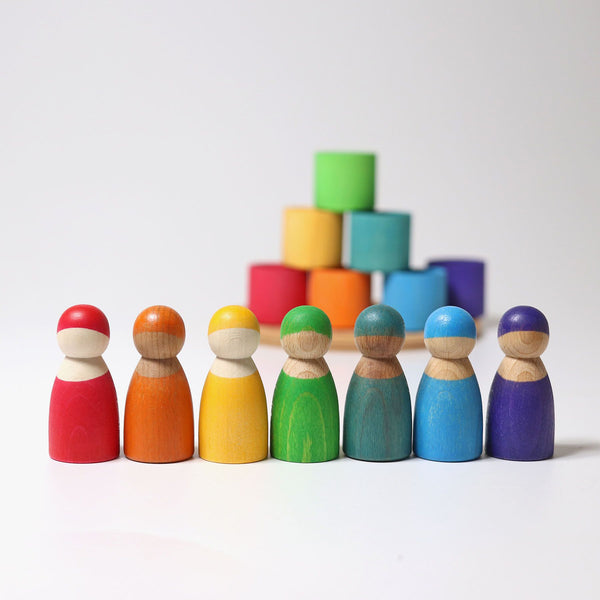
<point x="450" y="321"/>
<point x="523" y="318"/>
<point x="379" y="319"/>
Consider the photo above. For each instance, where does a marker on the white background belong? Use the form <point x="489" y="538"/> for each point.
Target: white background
<point x="146" y="153"/>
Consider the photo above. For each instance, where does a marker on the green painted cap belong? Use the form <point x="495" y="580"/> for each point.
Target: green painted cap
<point x="306" y="318"/>
<point x="344" y="181"/>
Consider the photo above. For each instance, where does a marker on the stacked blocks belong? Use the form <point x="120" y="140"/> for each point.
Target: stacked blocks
<point x="344" y="181"/>
<point x="275" y="290"/>
<point x="312" y="271"/>
<point x="312" y="238"/>
<point x="415" y="294"/>
<point x="341" y="293"/>
<point x="379" y="241"/>
<point x="465" y="284"/>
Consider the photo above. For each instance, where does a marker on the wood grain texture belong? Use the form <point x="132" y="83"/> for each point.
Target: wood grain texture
<point x="154" y="367"/>
<point x="83" y="425"/>
<point x="305" y="344"/>
<point x="230" y="367"/>
<point x="378" y="368"/>
<point x="81" y="369"/>
<point x="450" y="347"/>
<point x="159" y="419"/>
<point x="379" y="346"/>
<point x="522" y="369"/>
<point x="451" y="370"/>
<point x="378" y="416"/>
<point x="159" y="332"/>
<point x="520" y="419"/>
<point x="78" y="342"/>
<point x="524" y="344"/>
<point x="448" y="424"/>
<point x="233" y="423"/>
<point x="309" y="368"/>
<point x="305" y="423"/>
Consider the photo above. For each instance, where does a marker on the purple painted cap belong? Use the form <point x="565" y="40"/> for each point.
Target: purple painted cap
<point x="523" y="318"/>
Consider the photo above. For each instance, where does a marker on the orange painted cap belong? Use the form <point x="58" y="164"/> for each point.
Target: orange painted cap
<point x="162" y="319"/>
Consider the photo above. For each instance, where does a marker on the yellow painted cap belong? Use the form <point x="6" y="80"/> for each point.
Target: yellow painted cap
<point x="233" y="316"/>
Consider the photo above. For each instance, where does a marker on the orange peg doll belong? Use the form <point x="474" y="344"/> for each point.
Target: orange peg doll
<point x="159" y="417"/>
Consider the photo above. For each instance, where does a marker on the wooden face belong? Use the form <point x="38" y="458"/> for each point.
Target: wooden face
<point x="233" y="332"/>
<point x="523" y="344"/>
<point x="306" y="344"/>
<point x="78" y="342"/>
<point x="159" y="332"/>
<point x="379" y="346"/>
<point x="234" y="342"/>
<point x="450" y="347"/>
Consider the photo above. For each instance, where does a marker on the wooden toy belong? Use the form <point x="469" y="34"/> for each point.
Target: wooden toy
<point x="520" y="415"/>
<point x="341" y="293"/>
<point x="274" y="290"/>
<point x="379" y="241"/>
<point x="465" y="284"/>
<point x="448" y="411"/>
<point x="233" y="424"/>
<point x="415" y="294"/>
<point x="377" y="415"/>
<point x="344" y="181"/>
<point x="305" y="423"/>
<point x="312" y="238"/>
<point x="83" y="425"/>
<point x="342" y="339"/>
<point x="159" y="416"/>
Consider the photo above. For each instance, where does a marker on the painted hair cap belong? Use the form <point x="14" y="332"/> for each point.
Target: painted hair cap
<point x="523" y="318"/>
<point x="84" y="316"/>
<point x="379" y="319"/>
<point x="306" y="318"/>
<point x="233" y="316"/>
<point x="450" y="321"/>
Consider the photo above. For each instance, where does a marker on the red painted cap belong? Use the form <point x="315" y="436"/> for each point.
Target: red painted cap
<point x="85" y="316"/>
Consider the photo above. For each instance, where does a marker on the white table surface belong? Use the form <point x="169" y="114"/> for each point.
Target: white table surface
<point x="488" y="528"/>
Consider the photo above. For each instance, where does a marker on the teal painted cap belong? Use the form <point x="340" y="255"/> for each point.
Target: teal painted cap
<point x="306" y="318"/>
<point x="379" y="319"/>
<point x="450" y="321"/>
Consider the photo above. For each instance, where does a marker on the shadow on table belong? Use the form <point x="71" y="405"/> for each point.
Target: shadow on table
<point x="564" y="449"/>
